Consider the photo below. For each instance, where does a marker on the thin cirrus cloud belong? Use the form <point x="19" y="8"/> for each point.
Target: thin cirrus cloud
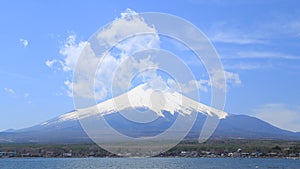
<point x="223" y="32"/>
<point x="13" y="94"/>
<point x="265" y="55"/>
<point x="239" y="39"/>
<point x="10" y="91"/>
<point x="253" y="60"/>
<point x="259" y="55"/>
<point x="264" y="32"/>
<point x="281" y="28"/>
<point x="245" y="66"/>
<point x="234" y="38"/>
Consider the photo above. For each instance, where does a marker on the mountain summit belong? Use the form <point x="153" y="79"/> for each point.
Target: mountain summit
<point x="144" y="97"/>
<point x="146" y="112"/>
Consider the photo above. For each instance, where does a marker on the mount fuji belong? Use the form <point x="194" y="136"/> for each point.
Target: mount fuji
<point x="144" y="112"/>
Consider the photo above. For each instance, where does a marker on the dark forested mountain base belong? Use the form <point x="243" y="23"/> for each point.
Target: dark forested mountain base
<point x="188" y="148"/>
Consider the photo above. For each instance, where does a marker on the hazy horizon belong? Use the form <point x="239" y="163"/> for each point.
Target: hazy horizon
<point x="257" y="42"/>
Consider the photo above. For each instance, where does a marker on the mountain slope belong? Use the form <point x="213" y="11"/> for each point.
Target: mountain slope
<point x="242" y="126"/>
<point x="164" y="107"/>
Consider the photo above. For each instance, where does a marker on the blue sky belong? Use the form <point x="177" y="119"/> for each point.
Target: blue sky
<point x="258" y="43"/>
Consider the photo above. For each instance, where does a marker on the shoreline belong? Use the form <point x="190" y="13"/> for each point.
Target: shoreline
<point x="287" y="158"/>
<point x="187" y="149"/>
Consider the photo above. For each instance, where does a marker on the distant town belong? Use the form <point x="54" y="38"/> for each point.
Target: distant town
<point x="210" y="149"/>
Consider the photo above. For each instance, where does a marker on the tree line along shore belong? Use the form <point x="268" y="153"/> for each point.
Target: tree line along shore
<point x="211" y="149"/>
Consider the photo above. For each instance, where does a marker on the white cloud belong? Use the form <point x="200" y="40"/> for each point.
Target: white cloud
<point x="69" y="86"/>
<point x="10" y="91"/>
<point x="130" y="67"/>
<point x="232" y="78"/>
<point x="128" y="13"/>
<point x="280" y="115"/>
<point x="193" y="85"/>
<point x="51" y="63"/>
<point x="108" y="63"/>
<point x="128" y="24"/>
<point x="24" y="42"/>
<point x="123" y="68"/>
<point x="71" y="51"/>
<point x="217" y="79"/>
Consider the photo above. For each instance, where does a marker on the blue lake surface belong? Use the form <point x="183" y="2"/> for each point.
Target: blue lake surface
<point x="147" y="163"/>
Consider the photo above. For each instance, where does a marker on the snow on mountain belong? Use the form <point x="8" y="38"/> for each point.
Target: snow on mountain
<point x="143" y="96"/>
<point x="166" y="105"/>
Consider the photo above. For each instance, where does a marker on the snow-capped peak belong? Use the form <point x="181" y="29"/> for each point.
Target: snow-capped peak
<point x="144" y="96"/>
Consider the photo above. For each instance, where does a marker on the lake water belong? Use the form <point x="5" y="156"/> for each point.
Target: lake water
<point x="147" y="163"/>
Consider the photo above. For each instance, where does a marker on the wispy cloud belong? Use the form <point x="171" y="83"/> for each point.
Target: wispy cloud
<point x="254" y="60"/>
<point x="13" y="94"/>
<point x="24" y="42"/>
<point x="265" y="55"/>
<point x="295" y="27"/>
<point x="234" y="38"/>
<point x="281" y="27"/>
<point x="223" y="32"/>
<point x="10" y="91"/>
<point x="27" y="98"/>
<point x="51" y="63"/>
<point x="262" y="38"/>
<point x="15" y="75"/>
<point x="256" y="33"/>
<point x="245" y="66"/>
<point x="280" y="115"/>
<point x="26" y="95"/>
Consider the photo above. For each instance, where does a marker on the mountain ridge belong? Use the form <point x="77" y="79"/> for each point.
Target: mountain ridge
<point x="72" y="132"/>
<point x="163" y="108"/>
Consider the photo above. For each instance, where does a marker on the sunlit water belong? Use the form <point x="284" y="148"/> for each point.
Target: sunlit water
<point x="145" y="163"/>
